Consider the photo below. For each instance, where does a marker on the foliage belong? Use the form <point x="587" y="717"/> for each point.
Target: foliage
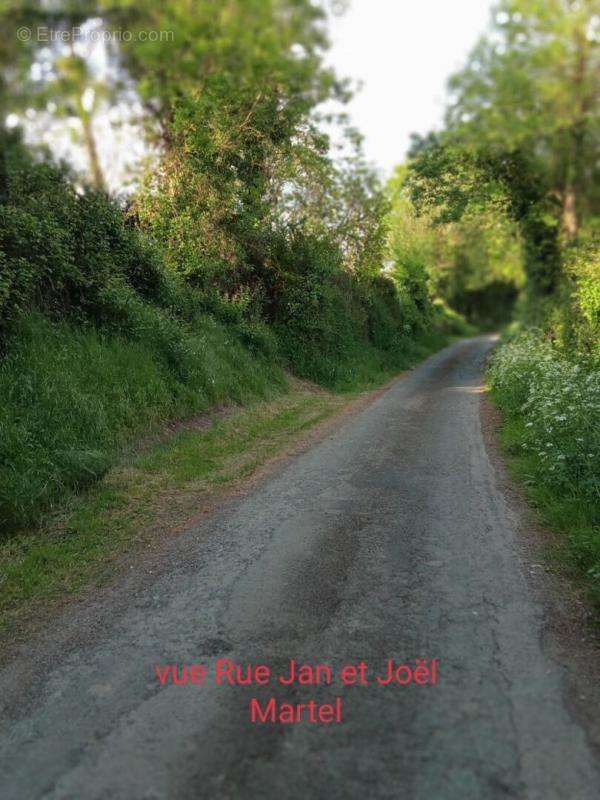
<point x="343" y="201"/>
<point x="101" y="340"/>
<point x="472" y="260"/>
<point x="233" y="94"/>
<point x="560" y="403"/>
<point x="531" y="86"/>
<point x="134" y="347"/>
<point x="333" y="326"/>
<point x="453" y="182"/>
<point x="552" y="404"/>
<point x="63" y="250"/>
<point x="522" y="136"/>
<point x="575" y="321"/>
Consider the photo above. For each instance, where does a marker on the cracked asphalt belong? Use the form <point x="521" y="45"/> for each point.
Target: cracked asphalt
<point x="389" y="538"/>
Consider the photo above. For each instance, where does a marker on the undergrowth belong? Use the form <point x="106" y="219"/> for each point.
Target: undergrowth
<point x="551" y="401"/>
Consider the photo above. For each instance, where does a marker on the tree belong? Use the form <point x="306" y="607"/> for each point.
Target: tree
<point x="522" y="135"/>
<point x="532" y="85"/>
<point x="75" y="92"/>
<point x="470" y="259"/>
<point x="41" y="74"/>
<point x="233" y="91"/>
<point x="343" y="200"/>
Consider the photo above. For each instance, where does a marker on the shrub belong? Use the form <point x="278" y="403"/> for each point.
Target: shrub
<point x="70" y="254"/>
<point x="334" y="327"/>
<point x="583" y="312"/>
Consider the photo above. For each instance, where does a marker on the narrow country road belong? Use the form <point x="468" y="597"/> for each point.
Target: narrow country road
<point x="388" y="539"/>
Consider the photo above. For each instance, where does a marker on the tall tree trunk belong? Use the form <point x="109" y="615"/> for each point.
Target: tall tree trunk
<point x="92" y="151"/>
<point x="574" y="186"/>
<point x="570" y="219"/>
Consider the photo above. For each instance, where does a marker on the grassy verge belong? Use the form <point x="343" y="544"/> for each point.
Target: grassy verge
<point x="149" y="494"/>
<point x="568" y="513"/>
<point x="550" y="398"/>
<point x="72" y="397"/>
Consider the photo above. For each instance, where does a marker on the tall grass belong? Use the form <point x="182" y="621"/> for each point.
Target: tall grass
<point x="71" y="396"/>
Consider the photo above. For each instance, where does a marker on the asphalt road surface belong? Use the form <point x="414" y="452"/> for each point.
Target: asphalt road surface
<point x="388" y="539"/>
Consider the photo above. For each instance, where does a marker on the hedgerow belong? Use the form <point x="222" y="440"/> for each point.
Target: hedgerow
<point x="101" y="338"/>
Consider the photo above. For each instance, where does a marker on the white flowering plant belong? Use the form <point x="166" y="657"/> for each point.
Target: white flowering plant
<point x="552" y="399"/>
<point x="559" y="402"/>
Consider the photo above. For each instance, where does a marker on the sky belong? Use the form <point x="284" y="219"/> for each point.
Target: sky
<point x="402" y="51"/>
